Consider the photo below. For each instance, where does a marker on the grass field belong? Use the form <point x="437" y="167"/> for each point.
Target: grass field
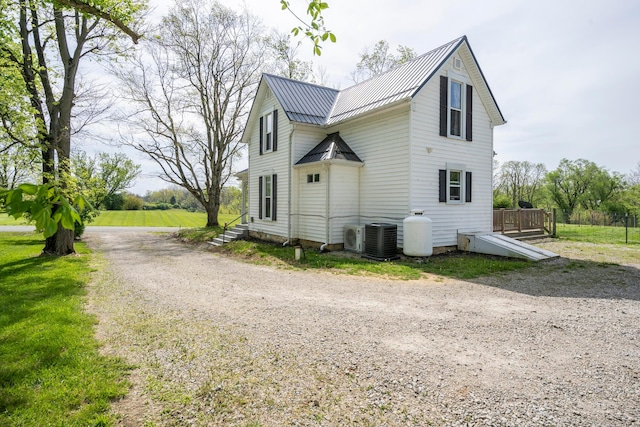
<point x="599" y="234"/>
<point x="51" y="373"/>
<point x="155" y="218"/>
<point x="456" y="265"/>
<point x="9" y="220"/>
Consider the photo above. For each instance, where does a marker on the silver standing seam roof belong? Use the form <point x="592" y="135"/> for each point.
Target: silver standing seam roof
<point x="319" y="105"/>
<point x="302" y="102"/>
<point x="396" y="84"/>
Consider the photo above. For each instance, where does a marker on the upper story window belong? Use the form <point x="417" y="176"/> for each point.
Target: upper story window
<point x="313" y="177"/>
<point x="456" y="102"/>
<point x="455" y="108"/>
<point x="269" y="132"/>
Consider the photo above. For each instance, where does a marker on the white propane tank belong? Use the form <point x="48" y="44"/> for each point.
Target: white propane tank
<point x="417" y="234"/>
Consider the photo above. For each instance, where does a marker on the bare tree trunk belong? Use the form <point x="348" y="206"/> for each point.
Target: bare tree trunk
<point x="212" y="215"/>
<point x="59" y="244"/>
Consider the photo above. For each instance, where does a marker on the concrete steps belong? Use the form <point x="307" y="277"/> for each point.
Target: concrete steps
<point x="238" y="232"/>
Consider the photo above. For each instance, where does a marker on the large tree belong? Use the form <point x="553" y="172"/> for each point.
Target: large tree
<point x="45" y="41"/>
<point x="103" y="175"/>
<point x="18" y="165"/>
<point x="284" y="59"/>
<point x="380" y="60"/>
<point x="633" y="178"/>
<point x="581" y="183"/>
<point x="521" y="181"/>
<point x="190" y="93"/>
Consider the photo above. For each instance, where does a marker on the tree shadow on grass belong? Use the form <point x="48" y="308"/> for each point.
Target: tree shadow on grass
<point x="28" y="290"/>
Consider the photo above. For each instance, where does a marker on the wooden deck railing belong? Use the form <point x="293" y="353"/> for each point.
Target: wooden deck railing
<point x="520" y="220"/>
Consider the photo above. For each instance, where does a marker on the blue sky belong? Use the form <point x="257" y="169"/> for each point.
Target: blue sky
<point x="566" y="74"/>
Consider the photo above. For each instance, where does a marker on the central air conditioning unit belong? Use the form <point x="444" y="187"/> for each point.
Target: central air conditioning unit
<point x="354" y="238"/>
<point x="381" y="241"/>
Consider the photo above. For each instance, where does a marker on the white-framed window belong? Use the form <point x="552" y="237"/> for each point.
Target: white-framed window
<point x="455" y="184"/>
<point x="456" y="108"/>
<point x="313" y="177"/>
<point x="268" y="197"/>
<point x="267" y="192"/>
<point x="456" y="102"/>
<point x="268" y="132"/>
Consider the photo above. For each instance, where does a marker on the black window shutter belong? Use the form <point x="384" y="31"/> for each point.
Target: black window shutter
<point x="275" y="130"/>
<point x="443" y="185"/>
<point x="260" y="197"/>
<point x="469" y="112"/>
<point x="274" y="196"/>
<point x="467" y="187"/>
<point x="444" y="104"/>
<point x="261" y="135"/>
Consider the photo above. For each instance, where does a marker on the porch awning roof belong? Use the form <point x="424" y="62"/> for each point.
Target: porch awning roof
<point x="331" y="148"/>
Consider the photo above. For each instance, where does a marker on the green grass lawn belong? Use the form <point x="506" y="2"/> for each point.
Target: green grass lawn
<point x="155" y="218"/>
<point x="9" y="220"/>
<point x="457" y="264"/>
<point x="598" y="234"/>
<point x="51" y="373"/>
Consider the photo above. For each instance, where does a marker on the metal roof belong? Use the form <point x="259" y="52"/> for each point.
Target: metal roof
<point x="396" y="84"/>
<point x="331" y="148"/>
<point x="318" y="105"/>
<point x="302" y="102"/>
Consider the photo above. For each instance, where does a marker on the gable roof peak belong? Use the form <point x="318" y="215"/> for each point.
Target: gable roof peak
<point x="446" y="46"/>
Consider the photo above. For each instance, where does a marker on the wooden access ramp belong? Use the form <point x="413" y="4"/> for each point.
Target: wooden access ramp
<point x="498" y="244"/>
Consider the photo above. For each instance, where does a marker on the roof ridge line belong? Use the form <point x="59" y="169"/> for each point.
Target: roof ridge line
<point x="300" y="82"/>
<point x="409" y="61"/>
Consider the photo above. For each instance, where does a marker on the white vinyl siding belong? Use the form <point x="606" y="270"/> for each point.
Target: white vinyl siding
<point x="275" y="163"/>
<point x="382" y="143"/>
<point x="305" y="138"/>
<point x="431" y="153"/>
<point x="310" y="212"/>
<point x="345" y="204"/>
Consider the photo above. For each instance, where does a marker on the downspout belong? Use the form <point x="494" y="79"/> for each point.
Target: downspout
<point x="327" y="209"/>
<point x="289" y="191"/>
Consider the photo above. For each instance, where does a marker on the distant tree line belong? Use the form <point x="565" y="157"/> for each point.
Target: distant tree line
<point x="174" y="198"/>
<point x="574" y="186"/>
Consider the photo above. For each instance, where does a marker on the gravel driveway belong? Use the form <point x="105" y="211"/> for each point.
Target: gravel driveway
<point x="216" y="341"/>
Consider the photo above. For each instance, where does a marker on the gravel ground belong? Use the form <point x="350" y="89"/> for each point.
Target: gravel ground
<point x="216" y="341"/>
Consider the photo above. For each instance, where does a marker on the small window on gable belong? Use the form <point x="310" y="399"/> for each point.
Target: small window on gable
<point x="313" y="177"/>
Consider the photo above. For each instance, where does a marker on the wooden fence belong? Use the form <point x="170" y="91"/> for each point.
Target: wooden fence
<point x="522" y="220"/>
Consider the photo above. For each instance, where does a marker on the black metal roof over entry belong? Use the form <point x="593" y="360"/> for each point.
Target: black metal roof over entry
<point x="332" y="147"/>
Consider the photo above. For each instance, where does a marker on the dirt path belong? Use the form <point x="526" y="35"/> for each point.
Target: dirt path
<point x="220" y="342"/>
